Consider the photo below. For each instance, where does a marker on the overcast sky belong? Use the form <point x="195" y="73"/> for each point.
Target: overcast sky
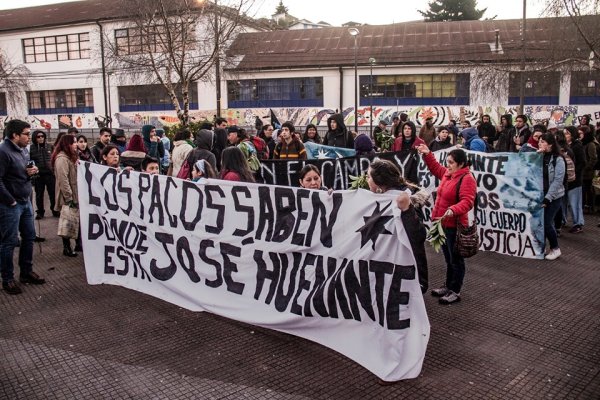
<point x="337" y="12"/>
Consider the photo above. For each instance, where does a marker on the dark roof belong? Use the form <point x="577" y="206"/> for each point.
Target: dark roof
<point x="84" y="11"/>
<point x="411" y="43"/>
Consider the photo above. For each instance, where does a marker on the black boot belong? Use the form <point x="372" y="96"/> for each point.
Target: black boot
<point x="67" y="251"/>
<point x="78" y="247"/>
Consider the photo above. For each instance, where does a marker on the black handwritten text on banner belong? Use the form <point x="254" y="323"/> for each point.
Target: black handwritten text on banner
<point x="336" y="269"/>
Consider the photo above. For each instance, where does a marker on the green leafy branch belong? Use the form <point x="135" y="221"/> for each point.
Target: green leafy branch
<point x="359" y="182"/>
<point x="436" y="235"/>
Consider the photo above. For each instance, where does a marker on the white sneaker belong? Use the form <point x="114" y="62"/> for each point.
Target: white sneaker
<point x="553" y="254"/>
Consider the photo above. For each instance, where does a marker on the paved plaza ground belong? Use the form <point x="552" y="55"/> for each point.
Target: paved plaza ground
<point x="525" y="329"/>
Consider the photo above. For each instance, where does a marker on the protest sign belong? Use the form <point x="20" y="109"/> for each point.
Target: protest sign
<point x="510" y="191"/>
<point x="333" y="268"/>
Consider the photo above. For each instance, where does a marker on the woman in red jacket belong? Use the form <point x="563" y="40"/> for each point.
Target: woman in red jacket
<point x="451" y="209"/>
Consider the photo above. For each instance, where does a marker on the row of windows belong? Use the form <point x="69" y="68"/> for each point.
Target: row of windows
<point x="69" y="100"/>
<point x="56" y="48"/>
<point x="284" y="92"/>
<point x="151" y="98"/>
<point x="414" y="89"/>
<point x="542" y="88"/>
<point x="135" y="41"/>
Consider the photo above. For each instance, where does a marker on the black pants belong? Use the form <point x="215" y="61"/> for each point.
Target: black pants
<point x="44" y="182"/>
<point x="587" y="193"/>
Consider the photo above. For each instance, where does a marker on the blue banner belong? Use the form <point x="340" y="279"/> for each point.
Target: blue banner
<point x="316" y="151"/>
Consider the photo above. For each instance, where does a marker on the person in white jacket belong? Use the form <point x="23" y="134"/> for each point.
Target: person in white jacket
<point x="182" y="145"/>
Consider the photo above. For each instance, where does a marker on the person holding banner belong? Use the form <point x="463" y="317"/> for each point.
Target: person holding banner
<point x="383" y="176"/>
<point x="310" y="178"/>
<point x="64" y="163"/>
<point x="234" y="166"/>
<point x="110" y="156"/>
<point x="554" y="189"/>
<point x="456" y="196"/>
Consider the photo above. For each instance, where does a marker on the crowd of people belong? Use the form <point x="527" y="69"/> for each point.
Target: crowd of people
<point x="229" y="152"/>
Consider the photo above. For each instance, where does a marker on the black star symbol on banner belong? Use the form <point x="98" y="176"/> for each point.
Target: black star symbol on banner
<point x="374" y="226"/>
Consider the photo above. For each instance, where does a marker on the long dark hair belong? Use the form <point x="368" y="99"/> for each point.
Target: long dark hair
<point x="233" y="159"/>
<point x="551" y="140"/>
<point x="460" y="157"/>
<point x="386" y="174"/>
<point x="64" y="145"/>
<point x="413" y="129"/>
<point x="588" y="134"/>
<point x="262" y="134"/>
<point x="317" y="138"/>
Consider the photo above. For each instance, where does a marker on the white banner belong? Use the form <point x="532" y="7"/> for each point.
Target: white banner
<point x="336" y="269"/>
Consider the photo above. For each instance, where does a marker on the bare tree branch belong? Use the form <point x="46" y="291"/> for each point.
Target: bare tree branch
<point x="175" y="43"/>
<point x="14" y="80"/>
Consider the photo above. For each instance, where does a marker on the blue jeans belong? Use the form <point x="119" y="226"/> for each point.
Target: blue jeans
<point x="574" y="200"/>
<point x="549" y="214"/>
<point x="14" y="220"/>
<point x="455" y="263"/>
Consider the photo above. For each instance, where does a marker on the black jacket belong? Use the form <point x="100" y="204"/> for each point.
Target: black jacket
<point x="15" y="184"/>
<point x="340" y="137"/>
<point x="505" y="138"/>
<point x="205" y="142"/>
<point x="579" y="160"/>
<point x="487" y="130"/>
<point x="439" y="145"/>
<point x="41" y="154"/>
<point x="97" y="151"/>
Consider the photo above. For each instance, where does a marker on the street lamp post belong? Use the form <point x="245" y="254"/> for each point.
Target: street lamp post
<point x="522" y="69"/>
<point x="354" y="32"/>
<point x="371" y="62"/>
<point x="109" y="119"/>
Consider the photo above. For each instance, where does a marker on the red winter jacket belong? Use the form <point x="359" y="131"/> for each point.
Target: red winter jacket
<point x="446" y="192"/>
<point x="227" y="175"/>
<point x="398" y="143"/>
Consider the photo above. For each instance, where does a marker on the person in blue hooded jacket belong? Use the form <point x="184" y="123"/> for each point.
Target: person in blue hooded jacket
<point x="472" y="141"/>
<point x="153" y="144"/>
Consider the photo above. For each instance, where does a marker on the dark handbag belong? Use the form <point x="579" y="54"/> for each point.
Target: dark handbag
<point x="467" y="238"/>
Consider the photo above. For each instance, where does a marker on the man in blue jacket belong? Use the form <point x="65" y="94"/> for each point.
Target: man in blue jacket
<point x="16" y="211"/>
<point x="472" y="141"/>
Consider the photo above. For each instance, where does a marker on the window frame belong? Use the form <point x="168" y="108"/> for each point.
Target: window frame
<point x="72" y="46"/>
<point x="580" y="92"/>
<point x="415" y="89"/>
<point x="275" y="92"/>
<point x="134" y="98"/>
<point x="544" y="90"/>
<point x="59" y="101"/>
